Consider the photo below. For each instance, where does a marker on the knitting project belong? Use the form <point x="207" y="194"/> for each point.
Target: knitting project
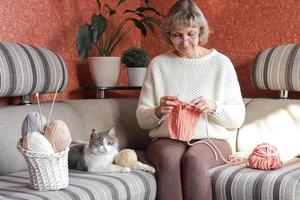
<point x="182" y="124"/>
<point x="183" y="120"/>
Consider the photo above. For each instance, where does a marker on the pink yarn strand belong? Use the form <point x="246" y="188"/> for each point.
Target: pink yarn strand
<point x="182" y="124"/>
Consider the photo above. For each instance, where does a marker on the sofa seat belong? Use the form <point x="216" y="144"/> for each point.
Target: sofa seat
<point x="236" y="182"/>
<point x="136" y="185"/>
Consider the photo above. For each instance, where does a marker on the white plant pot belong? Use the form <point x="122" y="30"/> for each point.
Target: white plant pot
<point x="105" y="70"/>
<point x="136" y="75"/>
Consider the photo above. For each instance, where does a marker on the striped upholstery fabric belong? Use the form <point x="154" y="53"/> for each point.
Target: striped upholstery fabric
<point x="278" y="68"/>
<point x="26" y="69"/>
<point x="237" y="182"/>
<point x="136" y="185"/>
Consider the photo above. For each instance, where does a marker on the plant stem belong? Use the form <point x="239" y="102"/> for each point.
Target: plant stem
<point x="120" y="38"/>
<point x="99" y="49"/>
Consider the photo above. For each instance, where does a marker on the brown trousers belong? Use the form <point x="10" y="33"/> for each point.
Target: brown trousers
<point x="182" y="170"/>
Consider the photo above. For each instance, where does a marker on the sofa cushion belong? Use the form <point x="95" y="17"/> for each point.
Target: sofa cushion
<point x="236" y="182"/>
<point x="105" y="113"/>
<point x="134" y="185"/>
<point x="272" y="121"/>
<point x="27" y="69"/>
<point x="277" y="68"/>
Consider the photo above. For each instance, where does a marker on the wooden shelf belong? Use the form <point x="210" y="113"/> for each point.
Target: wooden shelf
<point x="101" y="89"/>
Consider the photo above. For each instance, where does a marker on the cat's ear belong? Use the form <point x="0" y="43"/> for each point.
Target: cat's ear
<point x="94" y="133"/>
<point x="112" y="132"/>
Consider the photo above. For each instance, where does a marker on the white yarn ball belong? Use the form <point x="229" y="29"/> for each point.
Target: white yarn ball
<point x="36" y="142"/>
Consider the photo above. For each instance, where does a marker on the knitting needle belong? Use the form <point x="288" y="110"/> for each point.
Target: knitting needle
<point x="165" y="115"/>
<point x="39" y="107"/>
<point x="58" y="84"/>
<point x="162" y="119"/>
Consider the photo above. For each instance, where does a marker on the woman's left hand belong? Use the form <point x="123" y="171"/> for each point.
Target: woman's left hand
<point x="204" y="105"/>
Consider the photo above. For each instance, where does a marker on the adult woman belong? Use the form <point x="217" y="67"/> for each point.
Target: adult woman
<point x="202" y="77"/>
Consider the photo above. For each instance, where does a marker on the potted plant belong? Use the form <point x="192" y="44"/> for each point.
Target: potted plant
<point x="104" y="37"/>
<point x="136" y="61"/>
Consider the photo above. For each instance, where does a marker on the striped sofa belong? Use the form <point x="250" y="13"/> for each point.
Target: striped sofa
<point x="267" y="120"/>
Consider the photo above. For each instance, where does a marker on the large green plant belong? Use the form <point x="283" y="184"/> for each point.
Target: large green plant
<point x="142" y="17"/>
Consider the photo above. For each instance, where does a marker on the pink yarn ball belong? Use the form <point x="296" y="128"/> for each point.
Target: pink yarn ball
<point x="264" y="157"/>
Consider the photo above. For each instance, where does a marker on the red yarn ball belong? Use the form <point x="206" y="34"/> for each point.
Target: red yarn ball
<point x="264" y="157"/>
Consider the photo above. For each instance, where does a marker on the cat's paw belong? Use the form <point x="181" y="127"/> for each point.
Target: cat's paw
<point x="126" y="169"/>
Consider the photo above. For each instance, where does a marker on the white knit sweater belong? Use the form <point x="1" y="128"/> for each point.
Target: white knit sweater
<point x="212" y="76"/>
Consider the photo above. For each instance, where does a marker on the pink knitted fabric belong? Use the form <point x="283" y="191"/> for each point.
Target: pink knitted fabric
<point x="182" y="121"/>
<point x="264" y="157"/>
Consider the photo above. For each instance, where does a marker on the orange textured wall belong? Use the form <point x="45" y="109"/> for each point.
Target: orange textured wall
<point x="241" y="29"/>
<point x="53" y="24"/>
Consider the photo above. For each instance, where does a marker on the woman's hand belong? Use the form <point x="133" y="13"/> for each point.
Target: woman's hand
<point x="204" y="105"/>
<point x="165" y="106"/>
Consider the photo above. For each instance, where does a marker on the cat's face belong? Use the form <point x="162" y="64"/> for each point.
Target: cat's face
<point x="103" y="141"/>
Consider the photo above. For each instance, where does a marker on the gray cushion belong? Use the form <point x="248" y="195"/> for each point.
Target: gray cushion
<point x="277" y="68"/>
<point x="27" y="69"/>
<point x="237" y="182"/>
<point x="135" y="185"/>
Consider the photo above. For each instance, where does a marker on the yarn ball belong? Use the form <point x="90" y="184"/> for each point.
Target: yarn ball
<point x="126" y="158"/>
<point x="58" y="134"/>
<point x="182" y="121"/>
<point x="265" y="157"/>
<point x="33" y="123"/>
<point x="36" y="142"/>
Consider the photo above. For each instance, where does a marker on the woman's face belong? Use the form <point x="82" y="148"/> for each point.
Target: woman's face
<point x="185" y="40"/>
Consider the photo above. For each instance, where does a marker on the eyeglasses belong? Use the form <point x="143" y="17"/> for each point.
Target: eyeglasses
<point x="179" y="39"/>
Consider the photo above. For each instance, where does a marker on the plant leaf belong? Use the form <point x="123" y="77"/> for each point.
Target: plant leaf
<point x="84" y="41"/>
<point x="99" y="5"/>
<point x="150" y="26"/>
<point x="139" y="25"/>
<point x="129" y="11"/>
<point x="111" y="11"/>
<point x="98" y="26"/>
<point x="120" y="2"/>
<point x="153" y="20"/>
<point x="143" y="9"/>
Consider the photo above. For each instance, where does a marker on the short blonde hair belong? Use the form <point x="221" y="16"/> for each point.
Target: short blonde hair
<point x="185" y="13"/>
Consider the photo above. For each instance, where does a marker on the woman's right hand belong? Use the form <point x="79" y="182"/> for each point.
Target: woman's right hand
<point x="166" y="105"/>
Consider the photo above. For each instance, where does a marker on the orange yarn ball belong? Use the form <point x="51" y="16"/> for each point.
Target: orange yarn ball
<point x="264" y="157"/>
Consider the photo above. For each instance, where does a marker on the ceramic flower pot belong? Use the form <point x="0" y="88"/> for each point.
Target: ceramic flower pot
<point x="105" y="70"/>
<point x="136" y="75"/>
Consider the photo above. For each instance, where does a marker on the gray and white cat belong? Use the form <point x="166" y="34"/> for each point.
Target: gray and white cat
<point x="96" y="156"/>
<point x="99" y="154"/>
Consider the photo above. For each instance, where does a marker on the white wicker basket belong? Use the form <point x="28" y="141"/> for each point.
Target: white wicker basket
<point x="47" y="171"/>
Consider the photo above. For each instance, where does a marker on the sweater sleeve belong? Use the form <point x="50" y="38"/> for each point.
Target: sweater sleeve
<point x="230" y="113"/>
<point x="145" y="112"/>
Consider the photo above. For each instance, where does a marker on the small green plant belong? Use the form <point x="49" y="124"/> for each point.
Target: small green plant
<point x="96" y="33"/>
<point x="135" y="57"/>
